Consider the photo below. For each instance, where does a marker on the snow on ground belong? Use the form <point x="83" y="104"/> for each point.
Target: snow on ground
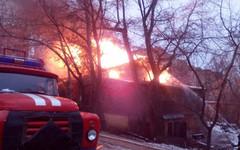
<point x="166" y="146"/>
<point x="114" y="142"/>
<point x="223" y="137"/>
<point x="108" y="146"/>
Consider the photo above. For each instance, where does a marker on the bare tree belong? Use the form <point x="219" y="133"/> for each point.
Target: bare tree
<point x="146" y="13"/>
<point x="59" y="25"/>
<point x="153" y="16"/>
<point x="121" y="26"/>
<point x="227" y="44"/>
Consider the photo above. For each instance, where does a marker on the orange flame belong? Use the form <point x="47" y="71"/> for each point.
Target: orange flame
<point x="114" y="74"/>
<point x="164" y="77"/>
<point x="112" y="55"/>
<point x="76" y="51"/>
<point x="54" y="64"/>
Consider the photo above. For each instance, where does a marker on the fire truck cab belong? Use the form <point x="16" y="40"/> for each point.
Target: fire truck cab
<point x="33" y="117"/>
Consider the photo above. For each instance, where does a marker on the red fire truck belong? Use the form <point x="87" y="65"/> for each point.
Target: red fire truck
<point x="33" y="117"/>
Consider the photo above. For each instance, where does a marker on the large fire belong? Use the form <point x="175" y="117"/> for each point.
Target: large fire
<point x="112" y="56"/>
<point x="114" y="74"/>
<point x="56" y="65"/>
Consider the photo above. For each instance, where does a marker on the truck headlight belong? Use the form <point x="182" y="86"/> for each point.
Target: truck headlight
<point x="91" y="135"/>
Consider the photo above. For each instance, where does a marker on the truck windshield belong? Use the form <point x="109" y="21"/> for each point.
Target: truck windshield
<point x="12" y="82"/>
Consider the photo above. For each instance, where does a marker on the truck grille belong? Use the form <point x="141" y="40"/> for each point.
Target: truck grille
<point x="34" y="125"/>
<point x="23" y="128"/>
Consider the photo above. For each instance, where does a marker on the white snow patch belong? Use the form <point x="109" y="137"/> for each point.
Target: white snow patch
<point x="166" y="146"/>
<point x="230" y="132"/>
<point x="223" y="136"/>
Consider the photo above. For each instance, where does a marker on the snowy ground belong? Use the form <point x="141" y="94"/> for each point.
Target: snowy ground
<point x="110" y="141"/>
<point x="161" y="146"/>
<point x="223" y="137"/>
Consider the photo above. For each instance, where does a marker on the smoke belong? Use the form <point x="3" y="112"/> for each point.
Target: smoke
<point x="24" y="7"/>
<point x="54" y="64"/>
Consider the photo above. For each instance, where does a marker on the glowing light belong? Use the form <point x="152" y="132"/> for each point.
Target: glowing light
<point x="112" y="55"/>
<point x="114" y="74"/>
<point x="53" y="64"/>
<point x="164" y="77"/>
<point x="75" y="51"/>
<point x="149" y="76"/>
<point x="56" y="65"/>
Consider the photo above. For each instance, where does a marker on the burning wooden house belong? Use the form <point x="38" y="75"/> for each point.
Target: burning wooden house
<point x="167" y="112"/>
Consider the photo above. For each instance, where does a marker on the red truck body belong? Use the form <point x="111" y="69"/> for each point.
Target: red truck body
<point x="34" y="120"/>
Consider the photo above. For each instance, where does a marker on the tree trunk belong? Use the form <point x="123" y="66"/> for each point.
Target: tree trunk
<point x="209" y="138"/>
<point x="90" y="56"/>
<point x="151" y="60"/>
<point x="128" y="48"/>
